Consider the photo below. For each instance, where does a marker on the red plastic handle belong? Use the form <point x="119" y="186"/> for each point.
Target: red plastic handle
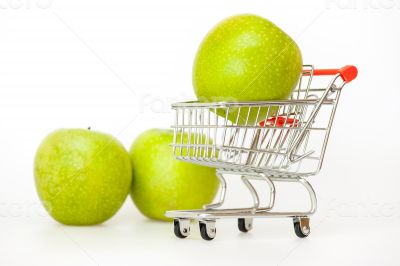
<point x="348" y="73"/>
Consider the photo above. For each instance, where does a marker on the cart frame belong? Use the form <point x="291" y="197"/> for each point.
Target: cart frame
<point x="272" y="150"/>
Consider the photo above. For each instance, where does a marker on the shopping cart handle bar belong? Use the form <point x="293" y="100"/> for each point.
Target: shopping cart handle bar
<point x="348" y="73"/>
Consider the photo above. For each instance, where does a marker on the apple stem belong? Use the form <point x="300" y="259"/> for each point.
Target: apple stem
<point x="89" y="128"/>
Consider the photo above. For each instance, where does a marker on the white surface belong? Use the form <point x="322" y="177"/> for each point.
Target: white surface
<point x="118" y="65"/>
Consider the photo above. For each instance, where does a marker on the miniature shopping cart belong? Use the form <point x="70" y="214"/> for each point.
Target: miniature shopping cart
<point x="273" y="141"/>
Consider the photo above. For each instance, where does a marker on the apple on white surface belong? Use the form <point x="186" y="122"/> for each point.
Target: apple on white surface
<point x="82" y="176"/>
<point x="161" y="182"/>
<point x="246" y="58"/>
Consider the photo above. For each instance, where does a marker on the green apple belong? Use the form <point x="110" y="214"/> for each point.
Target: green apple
<point x="161" y="182"/>
<point x="246" y="58"/>
<point x="82" y="176"/>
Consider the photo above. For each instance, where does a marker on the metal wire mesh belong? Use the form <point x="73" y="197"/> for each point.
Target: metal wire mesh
<point x="264" y="136"/>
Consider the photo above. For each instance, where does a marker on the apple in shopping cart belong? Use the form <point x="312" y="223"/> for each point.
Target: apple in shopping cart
<point x="246" y="58"/>
<point x="161" y="182"/>
<point x="82" y="176"/>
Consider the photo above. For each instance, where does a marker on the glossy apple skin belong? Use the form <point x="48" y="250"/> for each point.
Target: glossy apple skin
<point x="246" y="58"/>
<point x="161" y="182"/>
<point x="82" y="177"/>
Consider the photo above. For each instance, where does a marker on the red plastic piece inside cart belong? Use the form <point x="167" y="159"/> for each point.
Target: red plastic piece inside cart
<point x="280" y="121"/>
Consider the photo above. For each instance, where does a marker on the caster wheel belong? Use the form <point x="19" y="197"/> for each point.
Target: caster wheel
<point x="182" y="227"/>
<point x="245" y="224"/>
<point x="207" y="230"/>
<point x="301" y="226"/>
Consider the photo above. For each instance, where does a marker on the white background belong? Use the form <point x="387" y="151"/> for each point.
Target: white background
<point x="118" y="65"/>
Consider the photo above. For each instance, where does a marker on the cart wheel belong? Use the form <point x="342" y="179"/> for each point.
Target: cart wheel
<point x="182" y="227"/>
<point x="301" y="226"/>
<point x="245" y="224"/>
<point x="207" y="230"/>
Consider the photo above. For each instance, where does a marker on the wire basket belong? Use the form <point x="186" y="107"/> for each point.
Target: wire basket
<point x="265" y="136"/>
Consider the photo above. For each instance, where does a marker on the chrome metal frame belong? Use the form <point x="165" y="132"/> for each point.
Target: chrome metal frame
<point x="255" y="211"/>
<point x="229" y="137"/>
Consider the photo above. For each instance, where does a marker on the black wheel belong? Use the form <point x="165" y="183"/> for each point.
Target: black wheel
<point x="178" y="230"/>
<point x="244" y="225"/>
<point x="207" y="234"/>
<point x="301" y="231"/>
